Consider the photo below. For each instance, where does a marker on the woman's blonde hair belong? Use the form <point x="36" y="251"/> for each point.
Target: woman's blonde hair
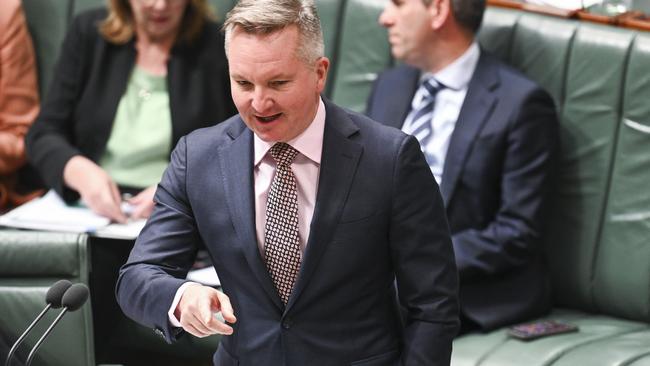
<point x="118" y="26"/>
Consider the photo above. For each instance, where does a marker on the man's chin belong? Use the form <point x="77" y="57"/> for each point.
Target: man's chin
<point x="266" y="135"/>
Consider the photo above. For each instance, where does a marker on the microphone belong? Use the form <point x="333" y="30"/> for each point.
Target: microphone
<point x="53" y="300"/>
<point x="72" y="300"/>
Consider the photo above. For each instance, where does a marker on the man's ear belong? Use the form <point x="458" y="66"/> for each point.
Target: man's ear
<point x="322" y="68"/>
<point x="440" y="11"/>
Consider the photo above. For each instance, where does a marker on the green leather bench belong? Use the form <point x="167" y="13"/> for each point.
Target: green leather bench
<point x="30" y="262"/>
<point x="598" y="241"/>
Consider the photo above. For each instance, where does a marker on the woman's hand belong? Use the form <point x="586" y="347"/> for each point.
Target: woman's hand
<point x="143" y="203"/>
<point x="97" y="189"/>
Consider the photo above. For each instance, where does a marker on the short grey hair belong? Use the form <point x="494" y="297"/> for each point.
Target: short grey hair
<point x="269" y="16"/>
<point x="468" y="13"/>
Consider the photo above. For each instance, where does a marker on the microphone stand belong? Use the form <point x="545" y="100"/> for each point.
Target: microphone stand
<point x="22" y="336"/>
<point x="47" y="332"/>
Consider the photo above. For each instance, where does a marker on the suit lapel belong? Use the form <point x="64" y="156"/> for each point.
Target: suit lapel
<point x="338" y="166"/>
<point x="477" y="108"/>
<point x="237" y="166"/>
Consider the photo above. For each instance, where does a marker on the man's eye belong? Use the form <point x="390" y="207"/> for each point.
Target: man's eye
<point x="278" y="83"/>
<point x="243" y="83"/>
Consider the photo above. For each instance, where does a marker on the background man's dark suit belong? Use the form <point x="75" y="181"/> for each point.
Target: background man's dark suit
<point x="495" y="179"/>
<point x="378" y="216"/>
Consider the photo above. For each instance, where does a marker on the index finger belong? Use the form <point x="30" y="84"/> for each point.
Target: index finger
<point x="226" y="308"/>
<point x="209" y="320"/>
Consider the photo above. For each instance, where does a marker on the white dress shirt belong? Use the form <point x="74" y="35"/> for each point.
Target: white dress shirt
<point x="306" y="169"/>
<point x="455" y="77"/>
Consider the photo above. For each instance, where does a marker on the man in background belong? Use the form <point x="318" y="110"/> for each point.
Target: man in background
<point x="489" y="136"/>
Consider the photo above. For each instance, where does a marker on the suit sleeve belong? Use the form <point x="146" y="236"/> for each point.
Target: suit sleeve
<point x="422" y="254"/>
<point x="163" y="252"/>
<point x="511" y="238"/>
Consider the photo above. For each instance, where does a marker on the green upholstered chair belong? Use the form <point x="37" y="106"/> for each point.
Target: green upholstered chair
<point x="47" y="21"/>
<point x="30" y="262"/>
<point x="598" y="242"/>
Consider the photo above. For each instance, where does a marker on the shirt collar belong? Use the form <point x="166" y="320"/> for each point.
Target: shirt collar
<point x="309" y="143"/>
<point x="456" y="75"/>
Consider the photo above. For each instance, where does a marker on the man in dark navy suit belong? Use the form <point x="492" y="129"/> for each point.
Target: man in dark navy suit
<point x="489" y="136"/>
<point x="310" y="213"/>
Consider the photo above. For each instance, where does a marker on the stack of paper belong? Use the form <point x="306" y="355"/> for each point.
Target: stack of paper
<point x="51" y="213"/>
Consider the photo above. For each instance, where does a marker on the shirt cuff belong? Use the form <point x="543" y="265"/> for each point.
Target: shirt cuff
<point x="179" y="293"/>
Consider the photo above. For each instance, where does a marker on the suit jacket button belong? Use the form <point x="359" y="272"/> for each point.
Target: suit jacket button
<point x="287" y="323"/>
<point x="159" y="333"/>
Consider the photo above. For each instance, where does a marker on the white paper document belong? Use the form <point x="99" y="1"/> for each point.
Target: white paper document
<point x="51" y="213"/>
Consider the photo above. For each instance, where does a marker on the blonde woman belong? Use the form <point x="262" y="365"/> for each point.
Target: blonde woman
<point x="130" y="81"/>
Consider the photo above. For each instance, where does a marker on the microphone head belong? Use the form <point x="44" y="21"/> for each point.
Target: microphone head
<point x="55" y="293"/>
<point x="75" y="297"/>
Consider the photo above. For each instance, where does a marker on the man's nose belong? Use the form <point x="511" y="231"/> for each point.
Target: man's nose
<point x="261" y="100"/>
<point x="386" y="18"/>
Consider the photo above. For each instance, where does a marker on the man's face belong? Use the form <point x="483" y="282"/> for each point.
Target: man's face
<point x="276" y="93"/>
<point x="409" y="29"/>
<point x="160" y="20"/>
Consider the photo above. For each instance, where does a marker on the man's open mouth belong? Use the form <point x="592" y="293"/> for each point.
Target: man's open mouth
<point x="267" y="119"/>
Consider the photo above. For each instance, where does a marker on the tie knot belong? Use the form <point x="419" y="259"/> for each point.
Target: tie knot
<point x="431" y="87"/>
<point x="283" y="153"/>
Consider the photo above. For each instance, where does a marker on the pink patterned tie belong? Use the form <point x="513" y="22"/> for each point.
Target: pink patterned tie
<point x="281" y="244"/>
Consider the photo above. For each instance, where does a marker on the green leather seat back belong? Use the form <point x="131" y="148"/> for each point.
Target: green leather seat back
<point x="541" y="47"/>
<point x="497" y="31"/>
<point x="330" y="13"/>
<point x="622" y="276"/>
<point x="79" y="6"/>
<point x="598" y="227"/>
<point x="30" y="262"/>
<point x="362" y="52"/>
<point x="47" y="21"/>
<point x="222" y="7"/>
<point x="589" y="124"/>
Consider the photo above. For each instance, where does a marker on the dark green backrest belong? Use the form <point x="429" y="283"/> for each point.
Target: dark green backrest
<point x="497" y="31"/>
<point x="362" y="52"/>
<point x="598" y="243"/>
<point x="47" y="21"/>
<point x="30" y="262"/>
<point x="622" y="280"/>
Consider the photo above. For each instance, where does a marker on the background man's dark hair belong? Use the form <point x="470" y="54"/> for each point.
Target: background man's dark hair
<point x="468" y="13"/>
